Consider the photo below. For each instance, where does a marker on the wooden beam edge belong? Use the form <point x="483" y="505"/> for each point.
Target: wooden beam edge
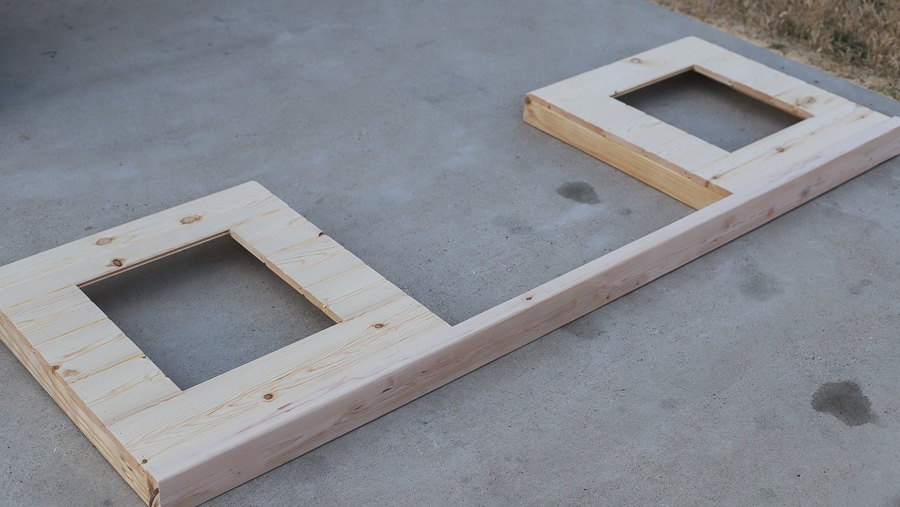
<point x="134" y="474"/>
<point x="68" y="264"/>
<point x="692" y="190"/>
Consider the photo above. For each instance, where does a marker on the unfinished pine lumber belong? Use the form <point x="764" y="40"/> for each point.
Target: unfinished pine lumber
<point x="584" y="112"/>
<point x="385" y="349"/>
<point x="105" y="383"/>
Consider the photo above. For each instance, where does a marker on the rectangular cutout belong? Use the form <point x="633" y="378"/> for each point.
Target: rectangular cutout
<point x="217" y="280"/>
<point x="709" y="110"/>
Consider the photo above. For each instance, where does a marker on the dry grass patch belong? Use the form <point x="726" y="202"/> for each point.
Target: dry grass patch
<point x="856" y="39"/>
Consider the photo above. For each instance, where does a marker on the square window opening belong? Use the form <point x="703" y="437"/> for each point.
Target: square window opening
<point x="709" y="110"/>
<point x="206" y="310"/>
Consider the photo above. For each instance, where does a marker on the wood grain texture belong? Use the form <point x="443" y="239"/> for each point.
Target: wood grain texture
<point x="111" y="381"/>
<point x="115" y="250"/>
<point x="332" y="278"/>
<point x="241" y="424"/>
<point x="347" y="383"/>
<point x="633" y="72"/>
<point x="583" y="112"/>
<point x="101" y="378"/>
<point x="408" y="369"/>
<point x="89" y="367"/>
<point x="53" y="379"/>
<point x="753" y="79"/>
<point x="682" y="185"/>
<point x="786" y="152"/>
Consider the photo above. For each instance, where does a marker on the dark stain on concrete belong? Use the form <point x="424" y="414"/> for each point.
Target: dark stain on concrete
<point x="587" y="329"/>
<point x="513" y="225"/>
<point x="844" y="400"/>
<point x="757" y="284"/>
<point x="578" y="191"/>
<point x="860" y="286"/>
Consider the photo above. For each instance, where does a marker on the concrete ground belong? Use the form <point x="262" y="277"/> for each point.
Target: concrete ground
<point x="396" y="128"/>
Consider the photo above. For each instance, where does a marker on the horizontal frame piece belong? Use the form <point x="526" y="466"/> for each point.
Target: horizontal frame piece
<point x="179" y="447"/>
<point x="584" y="112"/>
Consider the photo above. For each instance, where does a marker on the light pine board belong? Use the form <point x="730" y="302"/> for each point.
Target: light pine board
<point x="102" y="379"/>
<point x="184" y="447"/>
<point x="584" y="112"/>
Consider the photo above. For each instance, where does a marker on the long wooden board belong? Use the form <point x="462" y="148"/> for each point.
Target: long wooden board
<point x="179" y="447"/>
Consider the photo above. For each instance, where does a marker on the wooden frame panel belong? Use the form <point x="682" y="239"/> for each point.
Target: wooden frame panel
<point x="183" y="447"/>
<point x="584" y="112"/>
<point x="105" y="383"/>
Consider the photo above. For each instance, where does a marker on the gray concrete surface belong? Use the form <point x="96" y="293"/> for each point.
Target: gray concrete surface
<point x="396" y="127"/>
